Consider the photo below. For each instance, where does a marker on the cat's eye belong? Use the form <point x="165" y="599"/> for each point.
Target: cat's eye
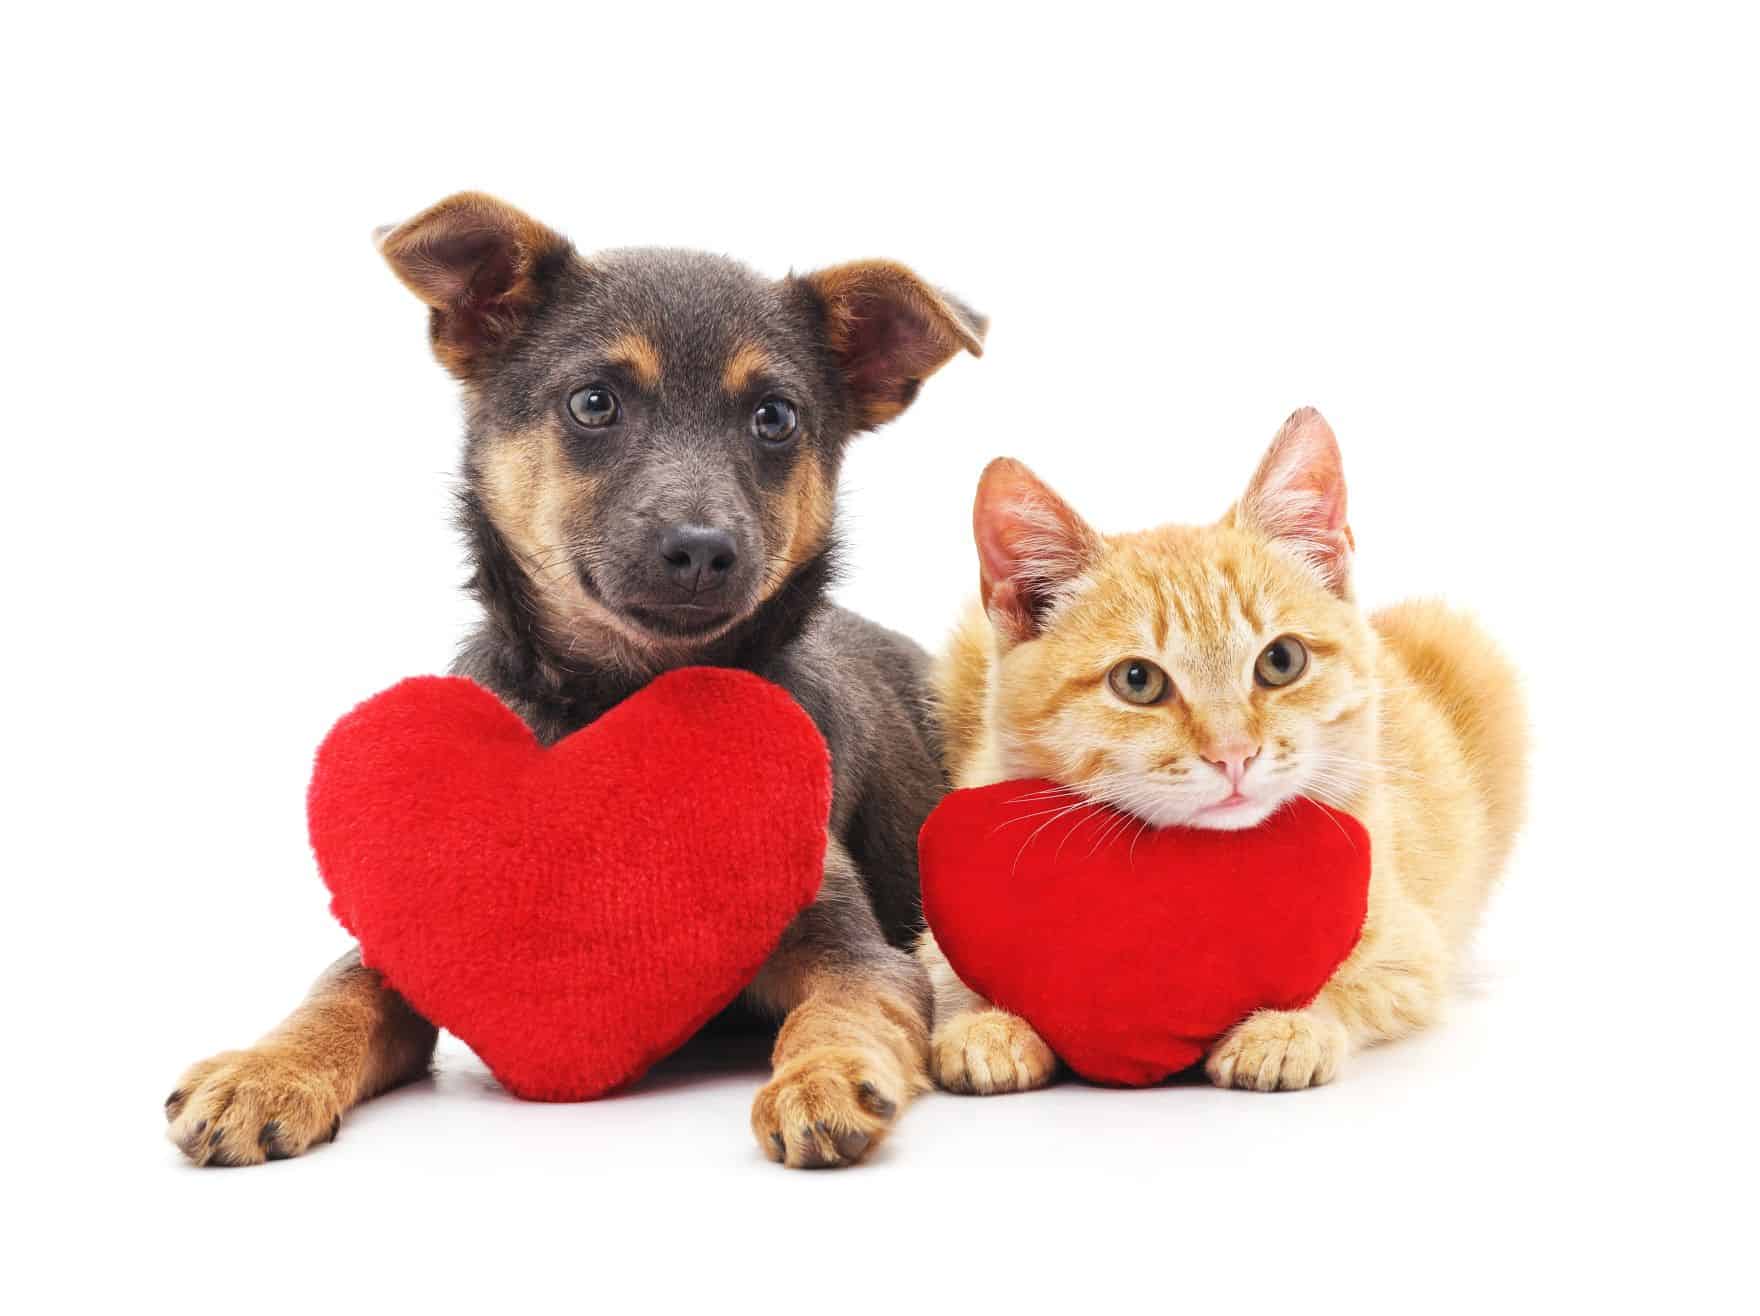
<point x="1284" y="659"/>
<point x="1138" y="681"/>
<point x="594" y="407"/>
<point x="775" y="420"/>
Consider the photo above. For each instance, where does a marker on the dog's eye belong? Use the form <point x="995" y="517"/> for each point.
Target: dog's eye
<point x="1284" y="659"/>
<point x="1138" y="681"/>
<point x="774" y="421"/>
<point x="594" y="407"/>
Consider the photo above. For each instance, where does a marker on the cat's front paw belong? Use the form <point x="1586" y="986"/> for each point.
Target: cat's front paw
<point x="990" y="1051"/>
<point x="1279" y="1050"/>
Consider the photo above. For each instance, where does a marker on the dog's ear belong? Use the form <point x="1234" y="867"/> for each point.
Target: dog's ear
<point x="479" y="265"/>
<point x="889" y="331"/>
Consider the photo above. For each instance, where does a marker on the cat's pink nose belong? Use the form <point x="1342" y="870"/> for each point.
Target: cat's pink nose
<point x="1232" y="760"/>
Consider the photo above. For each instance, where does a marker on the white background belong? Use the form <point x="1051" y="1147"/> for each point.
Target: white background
<point x="1510" y="253"/>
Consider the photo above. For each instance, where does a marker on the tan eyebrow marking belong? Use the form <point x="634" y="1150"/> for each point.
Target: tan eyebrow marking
<point x="638" y="354"/>
<point x="746" y="364"/>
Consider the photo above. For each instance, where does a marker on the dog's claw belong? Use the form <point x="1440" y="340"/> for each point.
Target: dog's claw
<point x="821" y="1147"/>
<point x="876" y="1102"/>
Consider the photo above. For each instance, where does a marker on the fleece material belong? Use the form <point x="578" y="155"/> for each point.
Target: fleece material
<point x="1132" y="950"/>
<point x="573" y="913"/>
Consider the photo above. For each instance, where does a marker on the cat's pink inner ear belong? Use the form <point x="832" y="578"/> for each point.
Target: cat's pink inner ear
<point x="1297" y="496"/>
<point x="1031" y="544"/>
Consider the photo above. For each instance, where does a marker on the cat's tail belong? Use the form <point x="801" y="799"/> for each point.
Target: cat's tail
<point x="1451" y="658"/>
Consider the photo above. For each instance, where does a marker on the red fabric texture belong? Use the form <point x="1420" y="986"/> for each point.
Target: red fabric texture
<point x="572" y="913"/>
<point x="1131" y="951"/>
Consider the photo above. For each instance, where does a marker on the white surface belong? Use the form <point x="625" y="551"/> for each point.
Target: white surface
<point x="1510" y="255"/>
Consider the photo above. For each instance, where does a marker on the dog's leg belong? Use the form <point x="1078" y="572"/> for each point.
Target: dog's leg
<point x="854" y="1045"/>
<point x="352" y="1038"/>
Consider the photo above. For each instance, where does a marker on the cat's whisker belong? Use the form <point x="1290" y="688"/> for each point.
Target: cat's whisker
<point x="1080" y="804"/>
<point x="1121" y="819"/>
<point x="1097" y="813"/>
<point x="1086" y="793"/>
<point x="1329" y="818"/>
<point x="1131" y="856"/>
<point x="1051" y="813"/>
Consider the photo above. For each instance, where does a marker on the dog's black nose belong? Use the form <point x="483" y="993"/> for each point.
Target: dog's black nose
<point x="697" y="558"/>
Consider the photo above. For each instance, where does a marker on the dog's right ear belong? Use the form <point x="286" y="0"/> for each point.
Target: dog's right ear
<point x="481" y="268"/>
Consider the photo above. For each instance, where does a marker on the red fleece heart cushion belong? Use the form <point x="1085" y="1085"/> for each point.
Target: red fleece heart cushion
<point x="1131" y="951"/>
<point x="572" y="913"/>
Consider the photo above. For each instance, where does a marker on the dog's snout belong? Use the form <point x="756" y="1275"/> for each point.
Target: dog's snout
<point x="698" y="557"/>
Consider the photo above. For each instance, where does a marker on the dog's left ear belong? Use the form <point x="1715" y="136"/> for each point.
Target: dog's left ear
<point x="889" y="331"/>
<point x="480" y="266"/>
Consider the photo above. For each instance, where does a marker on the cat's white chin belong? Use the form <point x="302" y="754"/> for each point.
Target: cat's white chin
<point x="1233" y="815"/>
<point x="1221" y="816"/>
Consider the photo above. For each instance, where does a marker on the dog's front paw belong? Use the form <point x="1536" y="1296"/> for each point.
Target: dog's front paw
<point x="990" y="1051"/>
<point x="829" y="1107"/>
<point x="1279" y="1050"/>
<point x="246" y="1107"/>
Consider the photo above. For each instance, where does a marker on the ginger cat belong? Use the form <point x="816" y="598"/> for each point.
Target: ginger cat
<point x="1206" y="676"/>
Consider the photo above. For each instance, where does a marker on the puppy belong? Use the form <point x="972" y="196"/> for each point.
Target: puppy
<point x="652" y="449"/>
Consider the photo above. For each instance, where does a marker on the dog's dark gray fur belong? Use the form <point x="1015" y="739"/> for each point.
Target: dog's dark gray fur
<point x="582" y="610"/>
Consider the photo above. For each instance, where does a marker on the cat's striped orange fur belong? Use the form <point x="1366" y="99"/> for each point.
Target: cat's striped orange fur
<point x="1408" y="718"/>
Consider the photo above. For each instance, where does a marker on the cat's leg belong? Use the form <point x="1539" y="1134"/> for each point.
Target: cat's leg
<point x="350" y="1039"/>
<point x="977" y="1048"/>
<point x="1393" y="984"/>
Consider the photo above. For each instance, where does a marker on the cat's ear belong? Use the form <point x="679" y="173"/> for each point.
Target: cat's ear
<point x="1032" y="546"/>
<point x="1297" y="499"/>
<point x="479" y="265"/>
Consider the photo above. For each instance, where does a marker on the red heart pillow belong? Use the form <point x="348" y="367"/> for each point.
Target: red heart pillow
<point x="1132" y="950"/>
<point x="572" y="913"/>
